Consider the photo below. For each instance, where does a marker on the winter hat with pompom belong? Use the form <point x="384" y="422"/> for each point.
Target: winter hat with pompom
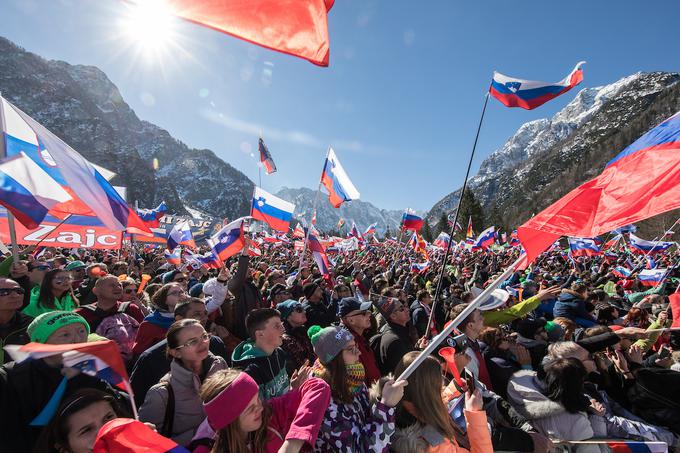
<point x="329" y="342"/>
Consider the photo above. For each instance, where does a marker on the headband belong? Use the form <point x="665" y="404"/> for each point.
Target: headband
<point x="226" y="407"/>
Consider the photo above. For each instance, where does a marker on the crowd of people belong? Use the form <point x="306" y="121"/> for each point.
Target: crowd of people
<point x="268" y="355"/>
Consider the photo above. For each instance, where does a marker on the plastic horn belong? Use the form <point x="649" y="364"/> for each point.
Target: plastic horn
<point x="142" y="284"/>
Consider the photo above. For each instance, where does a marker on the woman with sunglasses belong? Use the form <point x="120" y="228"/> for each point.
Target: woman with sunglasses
<point x="155" y="326"/>
<point x="174" y="405"/>
<point x="295" y="340"/>
<point x="351" y="423"/>
<point x="55" y="293"/>
<point x="13" y="323"/>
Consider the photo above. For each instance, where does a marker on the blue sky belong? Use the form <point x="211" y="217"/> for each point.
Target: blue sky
<point x="399" y="102"/>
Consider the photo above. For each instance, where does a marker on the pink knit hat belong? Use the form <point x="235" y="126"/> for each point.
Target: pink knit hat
<point x="225" y="408"/>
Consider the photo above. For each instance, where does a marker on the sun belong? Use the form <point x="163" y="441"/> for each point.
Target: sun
<point x="149" y="27"/>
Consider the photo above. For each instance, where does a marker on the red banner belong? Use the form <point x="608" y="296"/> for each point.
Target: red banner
<point x="76" y="231"/>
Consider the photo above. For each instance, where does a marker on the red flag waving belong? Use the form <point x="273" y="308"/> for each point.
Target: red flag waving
<point x="640" y="182"/>
<point x="295" y="27"/>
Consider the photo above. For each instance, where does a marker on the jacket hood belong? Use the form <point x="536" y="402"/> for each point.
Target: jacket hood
<point x="246" y="350"/>
<point x="568" y="295"/>
<point x="525" y="392"/>
<point x="416" y="437"/>
<point x="160" y="319"/>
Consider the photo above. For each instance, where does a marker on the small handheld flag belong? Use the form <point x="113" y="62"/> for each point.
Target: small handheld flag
<point x="410" y="221"/>
<point x="181" y="235"/>
<point x="273" y="210"/>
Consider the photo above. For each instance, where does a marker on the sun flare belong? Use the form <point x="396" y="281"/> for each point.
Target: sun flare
<point x="149" y="26"/>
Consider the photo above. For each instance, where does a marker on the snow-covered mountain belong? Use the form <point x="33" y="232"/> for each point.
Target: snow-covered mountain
<point x="546" y="158"/>
<point x="327" y="217"/>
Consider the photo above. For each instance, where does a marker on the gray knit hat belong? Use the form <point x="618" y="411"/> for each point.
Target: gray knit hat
<point x="329" y="342"/>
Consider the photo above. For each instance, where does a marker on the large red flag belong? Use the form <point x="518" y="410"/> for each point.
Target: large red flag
<point x="641" y="182"/>
<point x="295" y="27"/>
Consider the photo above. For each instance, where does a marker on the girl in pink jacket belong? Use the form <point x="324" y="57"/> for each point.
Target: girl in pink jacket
<point x="240" y="422"/>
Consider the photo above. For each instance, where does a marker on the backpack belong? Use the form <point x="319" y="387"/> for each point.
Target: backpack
<point x="121" y="328"/>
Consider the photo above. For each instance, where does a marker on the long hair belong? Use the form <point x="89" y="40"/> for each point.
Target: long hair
<point x="46" y="296"/>
<point x="425" y="394"/>
<point x="636" y="317"/>
<point x="335" y="374"/>
<point x="54" y="437"/>
<point x="231" y="438"/>
<point x="564" y="383"/>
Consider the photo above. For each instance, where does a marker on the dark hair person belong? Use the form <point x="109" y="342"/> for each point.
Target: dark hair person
<point x="55" y="293"/>
<point x="76" y="423"/>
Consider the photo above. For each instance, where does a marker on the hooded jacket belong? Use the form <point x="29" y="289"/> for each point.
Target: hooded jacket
<point x="269" y="371"/>
<point x="188" y="406"/>
<point x="390" y="345"/>
<point x="571" y="305"/>
<point x="550" y="418"/>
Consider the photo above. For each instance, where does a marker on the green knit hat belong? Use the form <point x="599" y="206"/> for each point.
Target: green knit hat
<point x="46" y="324"/>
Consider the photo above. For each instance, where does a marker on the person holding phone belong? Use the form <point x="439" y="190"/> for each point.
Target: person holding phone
<point x="423" y="421"/>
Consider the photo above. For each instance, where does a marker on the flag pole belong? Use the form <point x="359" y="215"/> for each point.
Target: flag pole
<point x="309" y="227"/>
<point x="437" y="293"/>
<point x="464" y="314"/>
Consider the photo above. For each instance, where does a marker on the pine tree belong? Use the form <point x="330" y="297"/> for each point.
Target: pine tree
<point x="388" y="232"/>
<point x="426" y="232"/>
<point x="470" y="207"/>
<point x="442" y="225"/>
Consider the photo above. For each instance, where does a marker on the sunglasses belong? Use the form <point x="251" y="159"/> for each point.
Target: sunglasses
<point x="41" y="268"/>
<point x="176" y="293"/>
<point x="180" y="280"/>
<point x="361" y="313"/>
<point x="61" y="280"/>
<point x="8" y="291"/>
<point x="129" y="291"/>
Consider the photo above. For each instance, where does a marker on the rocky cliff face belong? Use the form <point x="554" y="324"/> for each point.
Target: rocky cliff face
<point x="83" y="107"/>
<point x="546" y="158"/>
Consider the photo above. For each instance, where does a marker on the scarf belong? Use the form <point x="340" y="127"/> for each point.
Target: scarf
<point x="356" y="375"/>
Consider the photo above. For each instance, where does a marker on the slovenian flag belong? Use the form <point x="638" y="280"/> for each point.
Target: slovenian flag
<point x="529" y="94"/>
<point x="621" y="272"/>
<point x="442" y="240"/>
<point x="486" y="238"/>
<point x="341" y="223"/>
<point x="583" y="247"/>
<point x="335" y="180"/>
<point x="152" y="217"/>
<point x="410" y="221"/>
<point x="90" y="192"/>
<point x="370" y="229"/>
<point x="27" y="191"/>
<point x="652" y="277"/>
<point x="181" y="235"/>
<point x="272" y="210"/>
<point x="639" y="245"/>
<point x="229" y="240"/>
<point x="266" y="158"/>
<point x="173" y="257"/>
<point x="419" y="268"/>
<point x="637" y="447"/>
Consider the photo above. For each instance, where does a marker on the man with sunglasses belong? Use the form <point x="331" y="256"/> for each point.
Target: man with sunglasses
<point x="13" y="322"/>
<point x="28" y="274"/>
<point x="394" y="339"/>
<point x="356" y="317"/>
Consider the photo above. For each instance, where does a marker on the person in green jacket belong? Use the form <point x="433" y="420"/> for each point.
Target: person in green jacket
<point x="519" y="310"/>
<point x="55" y="293"/>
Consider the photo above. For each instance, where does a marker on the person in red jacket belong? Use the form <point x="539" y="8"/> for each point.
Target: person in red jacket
<point x="154" y="327"/>
<point x="355" y="316"/>
<point x="242" y="422"/>
<point x="109" y="292"/>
